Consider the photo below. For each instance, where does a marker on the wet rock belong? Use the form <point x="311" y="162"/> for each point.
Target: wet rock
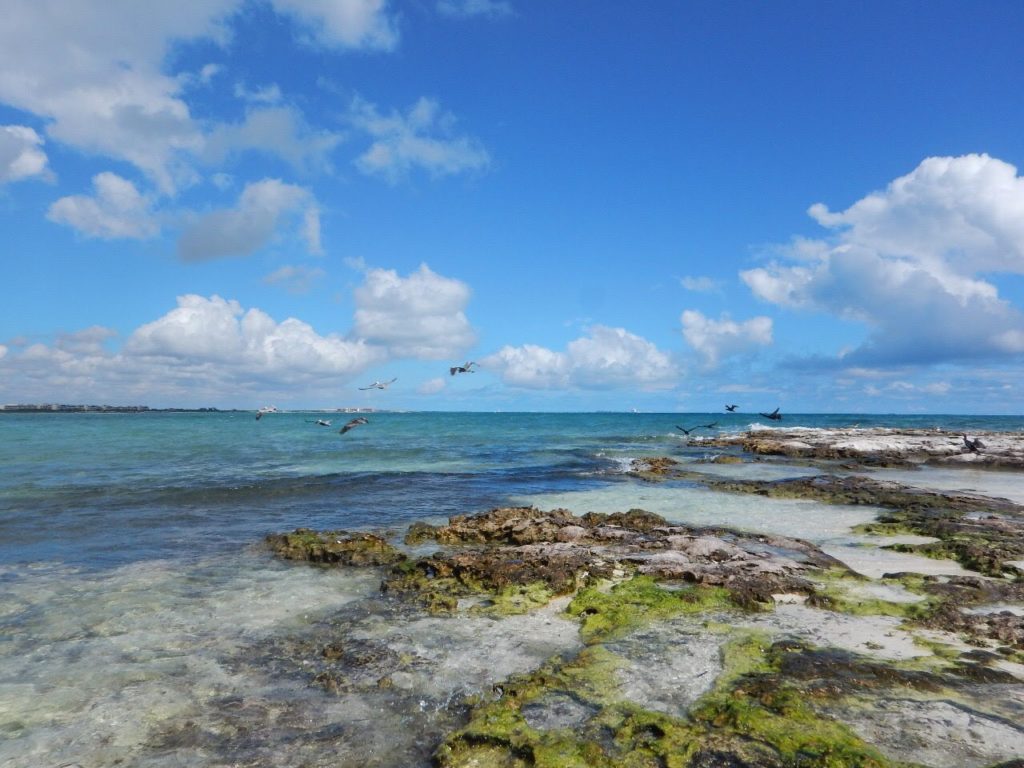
<point x="981" y="533"/>
<point x="334" y="547"/>
<point x="878" y="447"/>
<point x="521" y="548"/>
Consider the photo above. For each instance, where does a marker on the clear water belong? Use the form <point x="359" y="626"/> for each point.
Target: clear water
<point x="141" y="623"/>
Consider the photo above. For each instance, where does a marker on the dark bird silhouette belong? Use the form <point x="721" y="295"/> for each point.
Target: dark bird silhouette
<point x="973" y="445"/>
<point x="466" y="367"/>
<point x="380" y="384"/>
<point x="353" y="424"/>
<point x="731" y="408"/>
<point x="688" y="430"/>
<point x="774" y="415"/>
<point x="259" y="415"/>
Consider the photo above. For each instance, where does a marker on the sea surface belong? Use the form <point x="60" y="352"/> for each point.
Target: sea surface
<point x="141" y="622"/>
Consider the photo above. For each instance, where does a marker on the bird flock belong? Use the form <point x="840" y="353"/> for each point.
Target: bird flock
<point x="467" y="367"/>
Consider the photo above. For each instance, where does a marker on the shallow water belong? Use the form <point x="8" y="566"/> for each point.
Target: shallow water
<point x="140" y="622"/>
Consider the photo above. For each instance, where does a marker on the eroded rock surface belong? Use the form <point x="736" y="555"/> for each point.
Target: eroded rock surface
<point x="879" y="446"/>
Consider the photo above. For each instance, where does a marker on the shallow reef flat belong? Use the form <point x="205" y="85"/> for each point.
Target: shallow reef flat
<point x="700" y="646"/>
<point x="879" y="446"/>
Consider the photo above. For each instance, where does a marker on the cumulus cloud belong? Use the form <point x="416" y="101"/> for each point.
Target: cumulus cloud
<point x="116" y="210"/>
<point x="21" y="156"/>
<point x="217" y="330"/>
<point x="96" y="76"/>
<point x="465" y="8"/>
<point x="419" y="316"/>
<point x="715" y="340"/>
<point x="607" y="358"/>
<point x="240" y="231"/>
<point x="344" y="23"/>
<point x="276" y="130"/>
<point x="295" y="279"/>
<point x="206" y="347"/>
<point x="911" y="263"/>
<point x="95" y="71"/>
<point x="421" y="138"/>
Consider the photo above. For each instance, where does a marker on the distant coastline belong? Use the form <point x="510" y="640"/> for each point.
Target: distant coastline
<point x="66" y="408"/>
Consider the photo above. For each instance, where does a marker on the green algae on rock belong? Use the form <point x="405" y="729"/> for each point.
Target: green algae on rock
<point x="334" y="547"/>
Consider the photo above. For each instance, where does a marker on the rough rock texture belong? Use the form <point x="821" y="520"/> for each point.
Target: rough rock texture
<point x="519" y="547"/>
<point x="880" y="446"/>
<point x="334" y="547"/>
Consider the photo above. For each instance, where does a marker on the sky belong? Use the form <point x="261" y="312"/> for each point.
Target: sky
<point x="661" y="206"/>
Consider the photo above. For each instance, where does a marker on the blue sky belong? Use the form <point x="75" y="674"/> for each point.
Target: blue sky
<point x="663" y="206"/>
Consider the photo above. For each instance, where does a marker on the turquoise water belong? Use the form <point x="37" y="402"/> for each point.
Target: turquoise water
<point x="104" y="489"/>
<point x="142" y="624"/>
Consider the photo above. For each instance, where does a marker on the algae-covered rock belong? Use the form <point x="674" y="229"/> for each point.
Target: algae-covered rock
<point x="532" y="552"/>
<point x="981" y="533"/>
<point x="334" y="547"/>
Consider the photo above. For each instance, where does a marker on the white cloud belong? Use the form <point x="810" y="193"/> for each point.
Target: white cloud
<point x="279" y="131"/>
<point x="421" y="138"/>
<point x="344" y="23"/>
<point x="20" y="154"/>
<point x="431" y="386"/>
<point x="217" y="330"/>
<point x="249" y="226"/>
<point x="3" y="351"/>
<point x="606" y="359"/>
<point x="715" y="340"/>
<point x="95" y="71"/>
<point x="206" y="350"/>
<point x="467" y="8"/>
<point x="268" y="94"/>
<point x="295" y="279"/>
<point x="910" y="261"/>
<point x="117" y="210"/>
<point x="419" y="316"/>
<point x="699" y="284"/>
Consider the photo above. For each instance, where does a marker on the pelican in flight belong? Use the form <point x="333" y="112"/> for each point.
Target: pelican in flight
<point x="686" y="430"/>
<point x="774" y="415"/>
<point x="321" y="422"/>
<point x="381" y="384"/>
<point x="265" y="409"/>
<point x="466" y="367"/>
<point x="353" y="424"/>
<point x="973" y="445"/>
<point x="731" y="408"/>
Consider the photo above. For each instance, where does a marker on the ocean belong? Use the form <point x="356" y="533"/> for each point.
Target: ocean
<point x="141" y="622"/>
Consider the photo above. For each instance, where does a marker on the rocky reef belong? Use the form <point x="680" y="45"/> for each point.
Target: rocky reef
<point x="708" y="646"/>
<point x="879" y="446"/>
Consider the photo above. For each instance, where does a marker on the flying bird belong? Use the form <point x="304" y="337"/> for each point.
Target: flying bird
<point x="774" y="415"/>
<point x="321" y="422"/>
<point x="712" y="425"/>
<point x="353" y="424"/>
<point x="466" y="367"/>
<point x="731" y="408"/>
<point x="380" y="384"/>
<point x="973" y="445"/>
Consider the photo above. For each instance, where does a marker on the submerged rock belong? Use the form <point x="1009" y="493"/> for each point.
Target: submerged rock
<point x="334" y="547"/>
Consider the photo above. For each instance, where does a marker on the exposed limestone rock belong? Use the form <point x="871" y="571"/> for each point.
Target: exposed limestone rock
<point x="878" y="446"/>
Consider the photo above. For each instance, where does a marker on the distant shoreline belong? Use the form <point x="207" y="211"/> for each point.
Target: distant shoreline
<point x="63" y="408"/>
